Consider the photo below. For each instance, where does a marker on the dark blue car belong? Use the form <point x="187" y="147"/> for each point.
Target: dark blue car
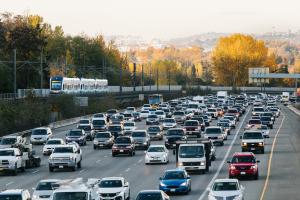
<point x="175" y="181"/>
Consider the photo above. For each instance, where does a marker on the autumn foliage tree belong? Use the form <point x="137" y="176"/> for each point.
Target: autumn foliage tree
<point x="234" y="55"/>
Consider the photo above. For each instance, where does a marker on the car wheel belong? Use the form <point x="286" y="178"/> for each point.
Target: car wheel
<point x="51" y="169"/>
<point x="73" y="168"/>
<point x="131" y="153"/>
<point x="79" y="164"/>
<point x="113" y="154"/>
<point x="256" y="176"/>
<point x="213" y="158"/>
<point x="263" y="151"/>
<point x="95" y="147"/>
<point x="15" y="171"/>
<point x="222" y="143"/>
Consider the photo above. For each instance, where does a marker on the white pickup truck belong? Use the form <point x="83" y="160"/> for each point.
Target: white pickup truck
<point x="114" y="188"/>
<point x="11" y="160"/>
<point x="65" y="156"/>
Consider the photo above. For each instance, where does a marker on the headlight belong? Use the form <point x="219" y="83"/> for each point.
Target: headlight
<point x="253" y="167"/>
<point x="244" y="144"/>
<point x="117" y="193"/>
<point x="145" y="143"/>
<point x="96" y="142"/>
<point x="220" y="137"/>
<point x="34" y="197"/>
<point x="210" y="197"/>
<point x="202" y="163"/>
<point x="261" y="144"/>
<point x="128" y="146"/>
<point x="162" y="184"/>
<point x="232" y="167"/>
<point x="183" y="184"/>
<point x="238" y="197"/>
<point x="180" y="164"/>
<point x="166" y="140"/>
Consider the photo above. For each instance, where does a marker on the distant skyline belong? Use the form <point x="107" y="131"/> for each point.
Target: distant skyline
<point x="162" y="19"/>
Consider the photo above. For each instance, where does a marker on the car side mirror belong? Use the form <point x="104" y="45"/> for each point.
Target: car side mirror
<point x="160" y="178"/>
<point x="145" y="152"/>
<point x="258" y="161"/>
<point x="242" y="188"/>
<point x="126" y="184"/>
<point x="228" y="161"/>
<point x="188" y="177"/>
<point x="174" y="152"/>
<point x="208" y="189"/>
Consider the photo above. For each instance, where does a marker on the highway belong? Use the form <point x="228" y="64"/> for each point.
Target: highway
<point x="284" y="177"/>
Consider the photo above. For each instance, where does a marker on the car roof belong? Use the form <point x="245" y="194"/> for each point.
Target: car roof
<point x="49" y="180"/>
<point x="150" y="191"/>
<point x="175" y="170"/>
<point x="227" y="180"/>
<point x="112" y="178"/>
<point x="8" y="149"/>
<point x="244" y="154"/>
<point x="156" y="145"/>
<point x="12" y="191"/>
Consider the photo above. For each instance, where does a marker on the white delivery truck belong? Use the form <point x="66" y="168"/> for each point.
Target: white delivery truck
<point x="222" y="95"/>
<point x="285" y="97"/>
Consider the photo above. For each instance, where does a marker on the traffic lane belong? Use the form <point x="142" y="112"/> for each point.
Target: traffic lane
<point x="284" y="180"/>
<point x="253" y="187"/>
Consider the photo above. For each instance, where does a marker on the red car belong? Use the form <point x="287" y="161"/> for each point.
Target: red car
<point x="243" y="165"/>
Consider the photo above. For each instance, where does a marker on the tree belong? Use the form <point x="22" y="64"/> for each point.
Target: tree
<point x="234" y="55"/>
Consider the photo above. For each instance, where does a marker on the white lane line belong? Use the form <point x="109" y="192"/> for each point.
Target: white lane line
<point x="270" y="161"/>
<point x="140" y="160"/>
<point x="127" y="170"/>
<point x="105" y="156"/>
<point x="98" y="161"/>
<point x="7" y="184"/>
<point x="81" y="171"/>
<point x="203" y="195"/>
<point x="35" y="171"/>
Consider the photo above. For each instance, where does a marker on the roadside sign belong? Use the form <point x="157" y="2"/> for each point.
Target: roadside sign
<point x="258" y="70"/>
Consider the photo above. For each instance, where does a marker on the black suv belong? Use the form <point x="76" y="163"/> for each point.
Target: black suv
<point x="123" y="145"/>
<point x="173" y="135"/>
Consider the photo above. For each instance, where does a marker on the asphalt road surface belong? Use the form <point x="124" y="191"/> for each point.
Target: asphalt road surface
<point x="283" y="180"/>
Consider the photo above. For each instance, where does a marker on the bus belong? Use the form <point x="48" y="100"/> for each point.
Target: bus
<point x="155" y="99"/>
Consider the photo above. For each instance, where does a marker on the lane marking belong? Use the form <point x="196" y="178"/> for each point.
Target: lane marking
<point x="98" y="161"/>
<point x="270" y="161"/>
<point x="81" y="171"/>
<point x="127" y="170"/>
<point x="203" y="195"/>
<point x="7" y="184"/>
<point x="140" y="160"/>
<point x="35" y="171"/>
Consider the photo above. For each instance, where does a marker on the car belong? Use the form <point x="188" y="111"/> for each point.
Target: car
<point x="161" y="114"/>
<point x="226" y="189"/>
<point x="144" y="114"/>
<point x="200" y="120"/>
<point x="40" y="135"/>
<point x="117" y="119"/>
<point x="213" y="112"/>
<point x="266" y="120"/>
<point x="103" y="139"/>
<point x="100" y="116"/>
<point x="226" y="126"/>
<point x="253" y="140"/>
<point x="99" y="124"/>
<point x="76" y="135"/>
<point x="15" y="194"/>
<point x="129" y="126"/>
<point x="175" y="181"/>
<point x="116" y="130"/>
<point x="253" y="123"/>
<point x="243" y="164"/>
<point x="152" y="119"/>
<point x="137" y="116"/>
<point x="275" y="111"/>
<point x="128" y="117"/>
<point x="113" y="188"/>
<point x="215" y="133"/>
<point x="155" y="132"/>
<point x="141" y="139"/>
<point x="179" y="117"/>
<point x="156" y="154"/>
<point x="84" y="121"/>
<point x="192" y="128"/>
<point x="265" y="131"/>
<point x="88" y="130"/>
<point x="152" y="195"/>
<point x="11" y="160"/>
<point x="130" y="110"/>
<point x="51" y="144"/>
<point x="233" y="112"/>
<point x="258" y="110"/>
<point x="169" y="123"/>
<point x="44" y="189"/>
<point x="111" y="112"/>
<point x="65" y="156"/>
<point x="8" y="141"/>
<point x="123" y="145"/>
<point x="173" y="135"/>
<point x="146" y="107"/>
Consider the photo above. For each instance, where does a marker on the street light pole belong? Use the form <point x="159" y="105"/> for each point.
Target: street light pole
<point x="15" y="70"/>
<point x="41" y="64"/>
<point x="142" y="77"/>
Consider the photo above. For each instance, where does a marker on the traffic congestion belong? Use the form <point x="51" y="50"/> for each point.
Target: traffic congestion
<point x="182" y="140"/>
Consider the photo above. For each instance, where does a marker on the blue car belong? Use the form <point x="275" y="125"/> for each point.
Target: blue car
<point x="175" y="181"/>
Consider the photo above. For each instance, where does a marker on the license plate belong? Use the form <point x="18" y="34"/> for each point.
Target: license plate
<point x="174" y="145"/>
<point x="60" y="166"/>
<point x="252" y="148"/>
<point x="101" y="145"/>
<point x="172" y="190"/>
<point x="121" y="150"/>
<point x="243" y="173"/>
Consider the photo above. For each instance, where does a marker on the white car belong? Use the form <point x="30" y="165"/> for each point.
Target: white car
<point x="113" y="188"/>
<point x="129" y="126"/>
<point x="145" y="114"/>
<point x="226" y="189"/>
<point x="130" y="110"/>
<point x="51" y="144"/>
<point x="265" y="131"/>
<point x="169" y="123"/>
<point x="157" y="154"/>
<point x="146" y="107"/>
<point x="40" y="135"/>
<point x="44" y="189"/>
<point x="8" y="141"/>
<point x="161" y="114"/>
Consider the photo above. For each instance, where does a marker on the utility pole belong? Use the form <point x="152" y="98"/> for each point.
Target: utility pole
<point x="134" y="76"/>
<point x="41" y="64"/>
<point x="120" y="83"/>
<point x="15" y="70"/>
<point x="157" y="79"/>
<point x="142" y="77"/>
<point x="169" y="79"/>
<point x="150" y="76"/>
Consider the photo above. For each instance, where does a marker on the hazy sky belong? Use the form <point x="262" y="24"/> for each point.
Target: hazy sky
<point x="162" y="18"/>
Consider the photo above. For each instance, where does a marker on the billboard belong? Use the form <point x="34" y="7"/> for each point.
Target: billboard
<point x="257" y="71"/>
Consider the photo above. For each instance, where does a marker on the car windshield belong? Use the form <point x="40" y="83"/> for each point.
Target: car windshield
<point x="70" y="196"/>
<point x="169" y="120"/>
<point x="213" y="130"/>
<point x="8" y="141"/>
<point x="254" y="121"/>
<point x="86" y="128"/>
<point x="225" y="186"/>
<point x="265" y="118"/>
<point x="156" y="149"/>
<point x="174" y="175"/>
<point x="123" y="140"/>
<point x="128" y="124"/>
<point x="145" y="111"/>
<point x="10" y="197"/>
<point x="99" y="115"/>
<point x="243" y="159"/>
<point x="154" y="129"/>
<point x="149" y="196"/>
<point x="98" y="122"/>
<point x="153" y="116"/>
<point x="39" y="132"/>
<point x="63" y="150"/>
<point x="127" y="115"/>
<point x="45" y="186"/>
<point x="264" y="127"/>
<point x="258" y="109"/>
<point x="75" y="133"/>
<point x="232" y="111"/>
<point x="176" y="132"/>
<point x="103" y="135"/>
<point x="199" y="119"/>
<point x="114" y="128"/>
<point x="84" y="121"/>
<point x="136" y="114"/>
<point x="211" y="110"/>
<point x="7" y="153"/>
<point x="191" y="152"/>
<point x="191" y="123"/>
<point x="54" y="142"/>
<point x="138" y="134"/>
<point x="252" y="135"/>
<point x="111" y="111"/>
<point x="179" y="113"/>
<point x="110" y="183"/>
<point x="192" y="106"/>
